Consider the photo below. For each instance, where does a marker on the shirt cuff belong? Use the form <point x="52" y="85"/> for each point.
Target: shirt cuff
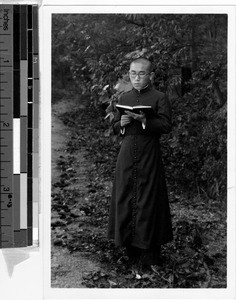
<point x="122" y="130"/>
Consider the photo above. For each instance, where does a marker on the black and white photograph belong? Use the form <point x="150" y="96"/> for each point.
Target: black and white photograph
<point x="139" y="150"/>
<point x="118" y="162"/>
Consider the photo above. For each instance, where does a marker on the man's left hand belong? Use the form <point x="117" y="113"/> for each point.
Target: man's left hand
<point x="139" y="117"/>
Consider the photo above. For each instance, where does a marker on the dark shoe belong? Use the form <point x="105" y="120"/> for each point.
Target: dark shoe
<point x="160" y="261"/>
<point x="133" y="252"/>
<point x="151" y="256"/>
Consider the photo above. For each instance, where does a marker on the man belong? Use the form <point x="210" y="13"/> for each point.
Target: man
<point x="139" y="210"/>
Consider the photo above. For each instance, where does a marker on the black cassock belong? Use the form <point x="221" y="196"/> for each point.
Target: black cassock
<point x="139" y="210"/>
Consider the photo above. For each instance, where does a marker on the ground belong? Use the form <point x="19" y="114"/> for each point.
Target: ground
<point x="83" y="161"/>
<point x="67" y="267"/>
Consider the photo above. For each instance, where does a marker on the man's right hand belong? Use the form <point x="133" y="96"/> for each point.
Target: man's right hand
<point x="125" y="120"/>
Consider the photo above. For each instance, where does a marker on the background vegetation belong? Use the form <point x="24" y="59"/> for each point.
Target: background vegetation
<point x="189" y="53"/>
<point x="91" y="53"/>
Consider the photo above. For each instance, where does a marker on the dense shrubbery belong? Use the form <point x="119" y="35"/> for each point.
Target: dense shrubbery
<point x="189" y="54"/>
<point x="195" y="152"/>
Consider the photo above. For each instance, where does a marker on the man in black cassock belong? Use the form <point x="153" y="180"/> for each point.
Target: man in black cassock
<point x="140" y="216"/>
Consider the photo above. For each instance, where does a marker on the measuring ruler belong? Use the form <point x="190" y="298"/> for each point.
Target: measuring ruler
<point x="19" y="109"/>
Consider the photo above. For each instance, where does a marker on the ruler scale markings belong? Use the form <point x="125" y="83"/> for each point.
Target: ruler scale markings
<point x="7" y="199"/>
<point x="5" y="130"/>
<point x="5" y="194"/>
<point x="19" y="71"/>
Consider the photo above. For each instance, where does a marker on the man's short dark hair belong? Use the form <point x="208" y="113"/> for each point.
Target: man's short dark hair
<point x="143" y="59"/>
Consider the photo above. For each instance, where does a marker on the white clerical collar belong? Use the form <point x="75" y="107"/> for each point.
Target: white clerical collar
<point x="143" y="88"/>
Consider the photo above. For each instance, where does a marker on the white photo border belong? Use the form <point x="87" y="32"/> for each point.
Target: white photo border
<point x="46" y="12"/>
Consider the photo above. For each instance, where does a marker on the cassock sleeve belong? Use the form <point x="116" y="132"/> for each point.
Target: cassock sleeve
<point x="162" y="122"/>
<point x="117" y="129"/>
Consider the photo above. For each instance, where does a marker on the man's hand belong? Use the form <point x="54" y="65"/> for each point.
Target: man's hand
<point x="125" y="120"/>
<point x="139" y="117"/>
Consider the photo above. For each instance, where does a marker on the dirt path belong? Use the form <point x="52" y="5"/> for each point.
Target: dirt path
<point x="83" y="161"/>
<point x="67" y="268"/>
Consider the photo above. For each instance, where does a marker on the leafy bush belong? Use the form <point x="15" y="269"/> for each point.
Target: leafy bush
<point x="91" y="52"/>
<point x="195" y="153"/>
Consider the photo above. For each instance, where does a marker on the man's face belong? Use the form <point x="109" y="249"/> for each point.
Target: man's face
<point x="144" y="77"/>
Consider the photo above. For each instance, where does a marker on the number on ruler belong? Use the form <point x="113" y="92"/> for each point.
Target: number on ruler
<point x="9" y="204"/>
<point x="5" y="124"/>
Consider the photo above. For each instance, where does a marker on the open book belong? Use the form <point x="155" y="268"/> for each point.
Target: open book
<point x="147" y="109"/>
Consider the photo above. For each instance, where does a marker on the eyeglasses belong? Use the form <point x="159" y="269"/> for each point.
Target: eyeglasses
<point x="141" y="74"/>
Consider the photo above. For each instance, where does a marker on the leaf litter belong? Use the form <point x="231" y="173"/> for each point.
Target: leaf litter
<point x="196" y="258"/>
